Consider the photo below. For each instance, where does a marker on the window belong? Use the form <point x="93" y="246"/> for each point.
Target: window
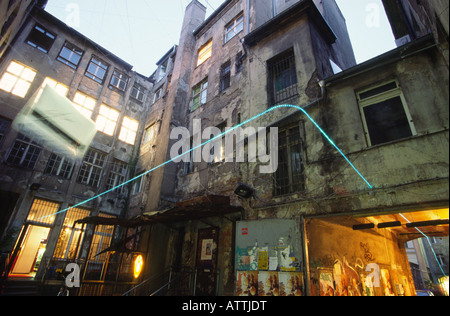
<point x="70" y="55"/>
<point x="129" y="130"/>
<point x="234" y="27"/>
<point x="137" y="184"/>
<point x="97" y="69"/>
<point x="117" y="176"/>
<point x="24" y="153"/>
<point x="66" y="247"/>
<point x="199" y="94"/>
<point x="59" y="87"/>
<point x="189" y="165"/>
<point x="289" y="177"/>
<point x="43" y="212"/>
<point x="385" y="114"/>
<point x="107" y="120"/>
<point x="91" y="170"/>
<point x="204" y="53"/>
<point x="84" y="104"/>
<point x="17" y="79"/>
<point x="59" y="166"/>
<point x="150" y="133"/>
<point x="138" y="92"/>
<point x="41" y="39"/>
<point x="4" y="124"/>
<point x="163" y="70"/>
<point x="119" y="80"/>
<point x="218" y="156"/>
<point x="282" y="78"/>
<point x="225" y="76"/>
<point x="157" y="95"/>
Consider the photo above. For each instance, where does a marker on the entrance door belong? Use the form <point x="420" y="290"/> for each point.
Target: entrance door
<point x="207" y="262"/>
<point x="31" y="250"/>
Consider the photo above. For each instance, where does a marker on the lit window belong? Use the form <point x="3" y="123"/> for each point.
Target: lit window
<point x="119" y="80"/>
<point x="204" y="53"/>
<point x="107" y="120"/>
<point x="70" y="55"/>
<point x="84" y="104"/>
<point x="129" y="130"/>
<point x="385" y="114"/>
<point x="234" y="27"/>
<point x="17" y="79"/>
<point x="41" y="39"/>
<point x="199" y="94"/>
<point x="59" y="87"/>
<point x="97" y="70"/>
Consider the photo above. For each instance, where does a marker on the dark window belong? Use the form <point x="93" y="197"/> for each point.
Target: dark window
<point x="289" y="177"/>
<point x="117" y="176"/>
<point x="138" y="92"/>
<point x="24" y="152"/>
<point x="385" y="114"/>
<point x="70" y="55"/>
<point x="4" y="124"/>
<point x="282" y="81"/>
<point x="41" y="39"/>
<point x="97" y="70"/>
<point x="225" y="76"/>
<point x="91" y="170"/>
<point x="59" y="166"/>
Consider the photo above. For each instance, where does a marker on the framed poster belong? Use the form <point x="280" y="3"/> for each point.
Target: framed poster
<point x="207" y="245"/>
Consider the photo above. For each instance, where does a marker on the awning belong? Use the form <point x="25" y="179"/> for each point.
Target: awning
<point x="193" y="209"/>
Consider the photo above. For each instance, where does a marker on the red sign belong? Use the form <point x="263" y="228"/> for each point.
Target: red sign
<point x="244" y="231"/>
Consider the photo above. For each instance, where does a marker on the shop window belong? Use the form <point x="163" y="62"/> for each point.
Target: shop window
<point x="119" y="81"/>
<point x="91" y="170"/>
<point x="43" y="212"/>
<point x="385" y="114"/>
<point x="289" y="177"/>
<point x="24" y="153"/>
<point x="225" y="76"/>
<point x="97" y="70"/>
<point x="199" y="94"/>
<point x="70" y="55"/>
<point x="282" y="78"/>
<point x="59" y="166"/>
<point x="205" y="53"/>
<point x="41" y="39"/>
<point x="84" y="104"/>
<point x="107" y="120"/>
<point x="117" y="176"/>
<point x="129" y="130"/>
<point x="17" y="79"/>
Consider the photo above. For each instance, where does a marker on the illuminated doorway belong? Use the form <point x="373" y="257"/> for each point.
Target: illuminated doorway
<point x="32" y="242"/>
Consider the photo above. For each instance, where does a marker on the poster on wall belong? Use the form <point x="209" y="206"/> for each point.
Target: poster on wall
<point x="247" y="283"/>
<point x="268" y="284"/>
<point x="207" y="249"/>
<point x="386" y="283"/>
<point x="326" y="282"/>
<point x="291" y="283"/>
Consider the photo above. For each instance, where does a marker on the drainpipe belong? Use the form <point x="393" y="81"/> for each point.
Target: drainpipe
<point x="306" y="271"/>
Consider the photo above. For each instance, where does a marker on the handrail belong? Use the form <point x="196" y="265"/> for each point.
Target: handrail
<point x="146" y="281"/>
<point x="168" y="283"/>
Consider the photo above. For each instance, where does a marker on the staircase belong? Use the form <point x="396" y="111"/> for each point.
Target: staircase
<point x="19" y="287"/>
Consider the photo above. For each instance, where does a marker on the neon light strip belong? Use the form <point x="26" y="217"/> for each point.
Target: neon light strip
<point x="220" y="136"/>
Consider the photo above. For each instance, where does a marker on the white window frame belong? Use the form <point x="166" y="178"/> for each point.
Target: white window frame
<point x="128" y="132"/>
<point x="17" y="79"/>
<point x="205" y="52"/>
<point x="234" y="28"/>
<point x="107" y="120"/>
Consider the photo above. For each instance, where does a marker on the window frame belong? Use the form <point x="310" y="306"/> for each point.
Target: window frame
<point x="126" y="131"/>
<point x="277" y="74"/>
<point x="233" y="26"/>
<point x="60" y="166"/>
<point x="379" y="97"/>
<point x="38" y="28"/>
<point x="122" y="78"/>
<point x="23" y="79"/>
<point x="225" y="76"/>
<point x="291" y="187"/>
<point x="74" y="51"/>
<point x="92" y="165"/>
<point x="201" y="95"/>
<point x="82" y="106"/>
<point x="103" y="119"/>
<point x="118" y="174"/>
<point x="205" y="52"/>
<point x="23" y="147"/>
<point x="99" y="66"/>
<point x="140" y="92"/>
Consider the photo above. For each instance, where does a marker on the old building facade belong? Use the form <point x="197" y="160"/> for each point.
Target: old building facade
<point x="39" y="187"/>
<point x="361" y="156"/>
